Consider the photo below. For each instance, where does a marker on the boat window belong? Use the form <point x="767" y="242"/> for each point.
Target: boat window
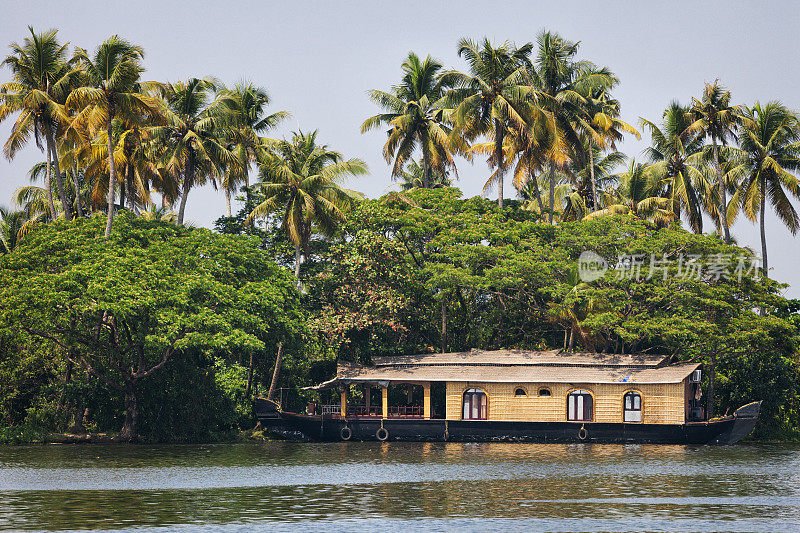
<point x="519" y="391"/>
<point x="580" y="406"/>
<point x="632" y="407"/>
<point x="474" y="405"/>
<point x="544" y="391"/>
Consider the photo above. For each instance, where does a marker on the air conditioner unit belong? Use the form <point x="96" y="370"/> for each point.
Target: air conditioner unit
<point x="696" y="375"/>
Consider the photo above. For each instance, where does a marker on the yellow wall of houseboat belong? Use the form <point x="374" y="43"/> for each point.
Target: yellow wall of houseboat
<point x="661" y="403"/>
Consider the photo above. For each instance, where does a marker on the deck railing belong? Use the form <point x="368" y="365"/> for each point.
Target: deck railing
<point x="331" y="409"/>
<point x="395" y="411"/>
<point x="363" y="410"/>
<point x="411" y="411"/>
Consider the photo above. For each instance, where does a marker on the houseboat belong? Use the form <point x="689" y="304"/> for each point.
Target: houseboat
<point x="514" y="395"/>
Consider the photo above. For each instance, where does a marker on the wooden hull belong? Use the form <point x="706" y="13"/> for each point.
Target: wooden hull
<point x="726" y="430"/>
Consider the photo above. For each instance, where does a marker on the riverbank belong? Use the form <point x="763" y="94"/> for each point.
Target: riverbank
<point x="26" y="435"/>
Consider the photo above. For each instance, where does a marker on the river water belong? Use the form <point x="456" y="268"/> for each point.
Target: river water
<point x="285" y="486"/>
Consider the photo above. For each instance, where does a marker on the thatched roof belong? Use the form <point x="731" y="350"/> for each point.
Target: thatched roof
<point x="522" y="357"/>
<point x="512" y="366"/>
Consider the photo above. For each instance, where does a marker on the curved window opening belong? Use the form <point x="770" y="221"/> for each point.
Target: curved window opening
<point x="474" y="405"/>
<point x="544" y="391"/>
<point x="519" y="391"/>
<point x="632" y="407"/>
<point x="580" y="406"/>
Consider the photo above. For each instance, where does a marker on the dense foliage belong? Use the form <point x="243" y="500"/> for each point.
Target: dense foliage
<point x="159" y="315"/>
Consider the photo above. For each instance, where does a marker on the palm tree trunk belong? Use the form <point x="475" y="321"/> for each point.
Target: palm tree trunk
<point x="129" y="187"/>
<point x="188" y="179"/>
<point x="552" y="196"/>
<point x="275" y="373"/>
<point x="591" y="174"/>
<point x="426" y="176"/>
<point x="227" y="202"/>
<point x="297" y="261"/>
<point x="723" y="200"/>
<point x="182" y="208"/>
<point x="123" y="188"/>
<point x="112" y="182"/>
<point x="78" y="206"/>
<point x="47" y="188"/>
<point x="764" y="263"/>
<point x="536" y="190"/>
<point x="498" y="154"/>
<point x="62" y="193"/>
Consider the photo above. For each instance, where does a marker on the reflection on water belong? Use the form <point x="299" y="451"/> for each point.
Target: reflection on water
<point x="354" y="486"/>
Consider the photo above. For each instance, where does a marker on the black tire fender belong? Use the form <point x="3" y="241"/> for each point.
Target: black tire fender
<point x="382" y="434"/>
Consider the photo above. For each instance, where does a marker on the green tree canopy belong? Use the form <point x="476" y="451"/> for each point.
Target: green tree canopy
<point x="122" y="308"/>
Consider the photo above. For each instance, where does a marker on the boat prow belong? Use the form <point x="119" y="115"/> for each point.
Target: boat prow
<point x="744" y="421"/>
<point x="267" y="412"/>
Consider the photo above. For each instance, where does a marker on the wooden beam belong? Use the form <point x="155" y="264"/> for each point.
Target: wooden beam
<point x="426" y="401"/>
<point x="344" y="403"/>
<point x="385" y="398"/>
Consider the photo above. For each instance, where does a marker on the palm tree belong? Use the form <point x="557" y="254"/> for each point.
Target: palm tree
<point x="602" y="128"/>
<point x="11" y="224"/>
<point x="534" y="147"/>
<point x="490" y="99"/>
<point x="570" y="200"/>
<point x="770" y="150"/>
<point x="575" y="307"/>
<point x="302" y="181"/>
<point x="574" y="187"/>
<point x="159" y="213"/>
<point x="42" y="77"/>
<point x="112" y="74"/>
<point x="637" y="195"/>
<point x="68" y="151"/>
<point x="34" y="199"/>
<point x="136" y="159"/>
<point x="677" y="163"/>
<point x="194" y="137"/>
<point x="243" y="112"/>
<point x="714" y="117"/>
<point x="597" y="174"/>
<point x="140" y="152"/>
<point x="414" y="177"/>
<point x="415" y="119"/>
<point x="32" y="203"/>
<point x="562" y="83"/>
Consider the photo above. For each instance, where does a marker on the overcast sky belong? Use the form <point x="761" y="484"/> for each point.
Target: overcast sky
<point x="319" y="59"/>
